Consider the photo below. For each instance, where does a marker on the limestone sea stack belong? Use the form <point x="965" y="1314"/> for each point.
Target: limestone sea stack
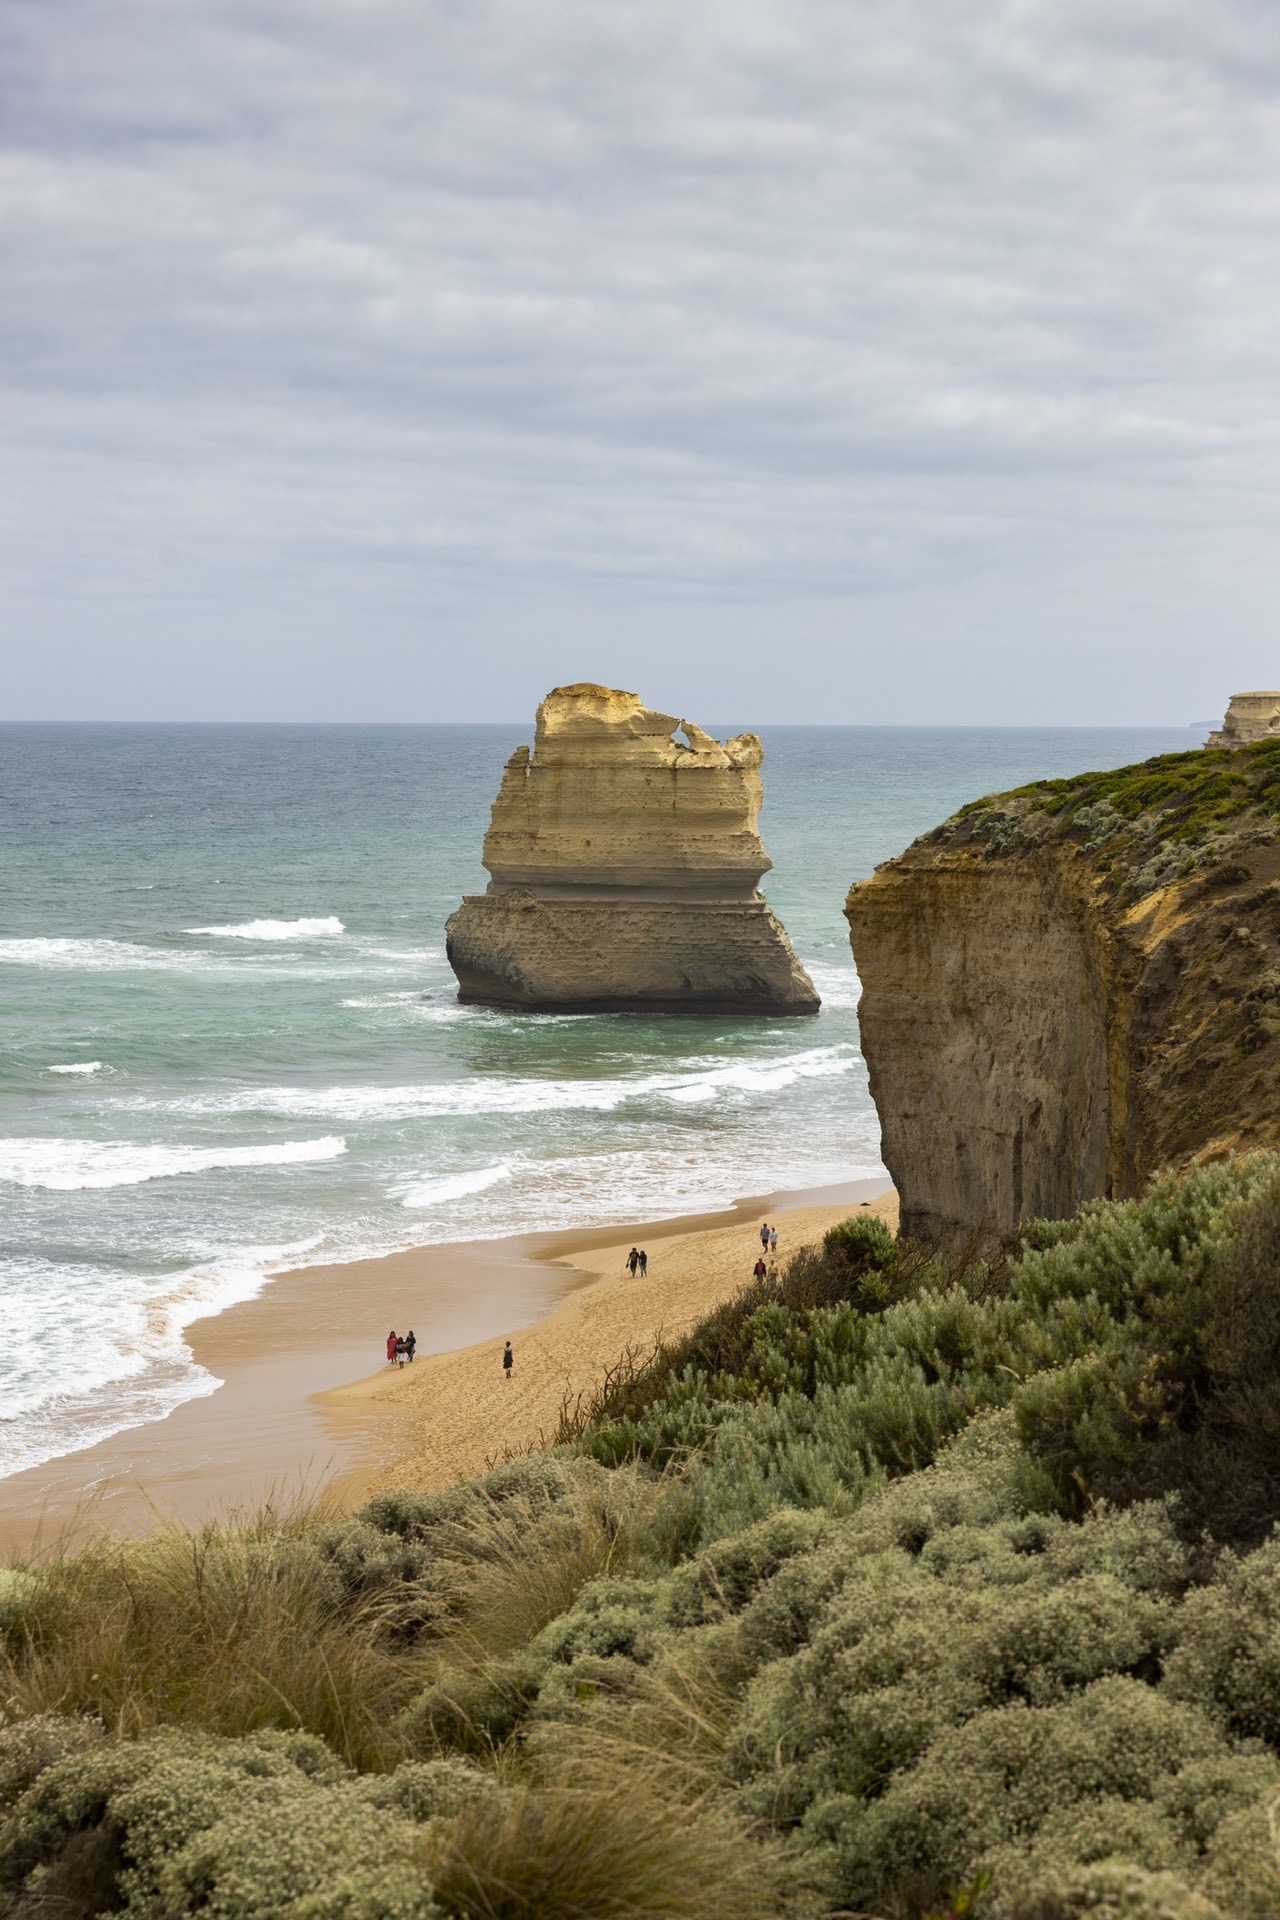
<point x="624" y="866"/>
<point x="1072" y="986"/>
<point x="1250" y="717"/>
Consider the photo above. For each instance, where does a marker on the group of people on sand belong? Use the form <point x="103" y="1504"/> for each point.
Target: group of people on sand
<point x="767" y="1270"/>
<point x="637" y="1258"/>
<point x="402" y="1347"/>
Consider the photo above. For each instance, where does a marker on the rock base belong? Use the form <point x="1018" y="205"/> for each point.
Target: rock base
<point x="514" y="949"/>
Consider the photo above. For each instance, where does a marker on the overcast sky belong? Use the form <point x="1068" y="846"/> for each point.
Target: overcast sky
<point x="844" y="360"/>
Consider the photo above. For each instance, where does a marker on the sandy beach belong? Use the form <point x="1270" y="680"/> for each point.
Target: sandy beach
<point x="301" y="1407"/>
<point x="453" y="1414"/>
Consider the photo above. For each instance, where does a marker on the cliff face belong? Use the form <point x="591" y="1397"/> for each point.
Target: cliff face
<point x="1068" y="988"/>
<point x="624" y="866"/>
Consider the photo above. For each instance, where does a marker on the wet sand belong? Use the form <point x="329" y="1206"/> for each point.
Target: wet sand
<point x="278" y="1426"/>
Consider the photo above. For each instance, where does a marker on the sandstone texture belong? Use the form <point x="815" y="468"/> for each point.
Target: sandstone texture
<point x="1070" y="987"/>
<point x="624" y="869"/>
<point x="1250" y="717"/>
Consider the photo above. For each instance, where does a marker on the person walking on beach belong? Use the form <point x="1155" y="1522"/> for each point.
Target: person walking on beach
<point x="764" y="1236"/>
<point x="633" y="1261"/>
<point x="508" y="1361"/>
<point x="773" y="1239"/>
<point x="644" y="1264"/>
<point x="410" y="1343"/>
<point x="391" y="1346"/>
<point x="759" y="1270"/>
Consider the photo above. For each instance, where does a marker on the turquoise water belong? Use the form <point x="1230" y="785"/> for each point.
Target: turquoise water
<point x="231" y="1040"/>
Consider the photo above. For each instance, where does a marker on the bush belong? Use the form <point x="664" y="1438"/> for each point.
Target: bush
<point x="1227" y="1661"/>
<point x="178" y="1823"/>
<point x="995" y="1781"/>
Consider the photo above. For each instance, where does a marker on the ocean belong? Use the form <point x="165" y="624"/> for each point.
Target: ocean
<point x="231" y="1040"/>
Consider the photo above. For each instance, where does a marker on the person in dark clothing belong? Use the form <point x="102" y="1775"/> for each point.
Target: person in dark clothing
<point x="764" y="1234"/>
<point x="759" y="1269"/>
<point x="633" y="1261"/>
<point x="644" y="1263"/>
<point x="410" y="1344"/>
<point x="508" y="1361"/>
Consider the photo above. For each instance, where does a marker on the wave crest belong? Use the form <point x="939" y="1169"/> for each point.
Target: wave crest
<point x="327" y="928"/>
<point x="68" y="1166"/>
<point x="453" y="1186"/>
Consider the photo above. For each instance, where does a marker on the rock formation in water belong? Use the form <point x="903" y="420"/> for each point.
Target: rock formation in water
<point x="1069" y="987"/>
<point x="624" y="865"/>
<point x="1250" y="717"/>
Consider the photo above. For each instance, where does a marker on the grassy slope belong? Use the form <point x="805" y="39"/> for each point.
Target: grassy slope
<point x="894" y="1589"/>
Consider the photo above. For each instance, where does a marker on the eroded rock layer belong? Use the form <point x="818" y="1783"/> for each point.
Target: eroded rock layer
<point x="1069" y="987"/>
<point x="624" y="865"/>
<point x="1249" y="717"/>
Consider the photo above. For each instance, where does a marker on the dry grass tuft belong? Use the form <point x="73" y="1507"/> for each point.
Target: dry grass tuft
<point x="617" y="1853"/>
<point x="231" y="1628"/>
<point x="521" y="1568"/>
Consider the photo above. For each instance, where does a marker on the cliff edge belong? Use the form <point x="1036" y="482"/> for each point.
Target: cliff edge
<point x="624" y="866"/>
<point x="1073" y="985"/>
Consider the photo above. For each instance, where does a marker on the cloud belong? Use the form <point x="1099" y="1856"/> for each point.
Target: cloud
<point x="473" y="314"/>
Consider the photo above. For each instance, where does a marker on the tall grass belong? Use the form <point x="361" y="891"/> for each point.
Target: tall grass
<point x="231" y="1628"/>
<point x="521" y="1567"/>
<point x="612" y="1852"/>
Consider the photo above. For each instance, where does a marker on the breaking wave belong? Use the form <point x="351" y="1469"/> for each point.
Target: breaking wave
<point x="453" y="1186"/>
<point x="327" y="928"/>
<point x="67" y="1166"/>
<point x="513" y="1094"/>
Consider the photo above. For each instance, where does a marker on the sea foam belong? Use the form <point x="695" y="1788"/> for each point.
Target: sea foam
<point x="68" y="1166"/>
<point x="517" y="1094"/>
<point x="453" y="1186"/>
<point x="94" y="955"/>
<point x="327" y="928"/>
<point x="91" y="1351"/>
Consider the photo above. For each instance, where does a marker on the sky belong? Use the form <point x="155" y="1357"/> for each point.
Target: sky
<point x="860" y="361"/>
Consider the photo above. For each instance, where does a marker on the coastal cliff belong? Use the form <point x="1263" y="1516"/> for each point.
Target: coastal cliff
<point x="624" y="866"/>
<point x="1068" y="987"/>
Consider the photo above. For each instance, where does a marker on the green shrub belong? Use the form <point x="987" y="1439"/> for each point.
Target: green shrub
<point x="1227" y="1661"/>
<point x="1114" y="1890"/>
<point x="180" y="1823"/>
<point x="996" y="1780"/>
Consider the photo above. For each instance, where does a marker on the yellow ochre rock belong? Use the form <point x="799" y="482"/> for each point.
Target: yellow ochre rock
<point x="1068" y="988"/>
<point x="1249" y="717"/>
<point x="624" y="865"/>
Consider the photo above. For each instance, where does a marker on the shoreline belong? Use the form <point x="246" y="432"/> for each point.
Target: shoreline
<point x="295" y="1416"/>
<point x="453" y="1415"/>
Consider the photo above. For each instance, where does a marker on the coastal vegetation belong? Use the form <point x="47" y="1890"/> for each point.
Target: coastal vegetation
<point x="899" y="1587"/>
<point x="1141" y="826"/>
